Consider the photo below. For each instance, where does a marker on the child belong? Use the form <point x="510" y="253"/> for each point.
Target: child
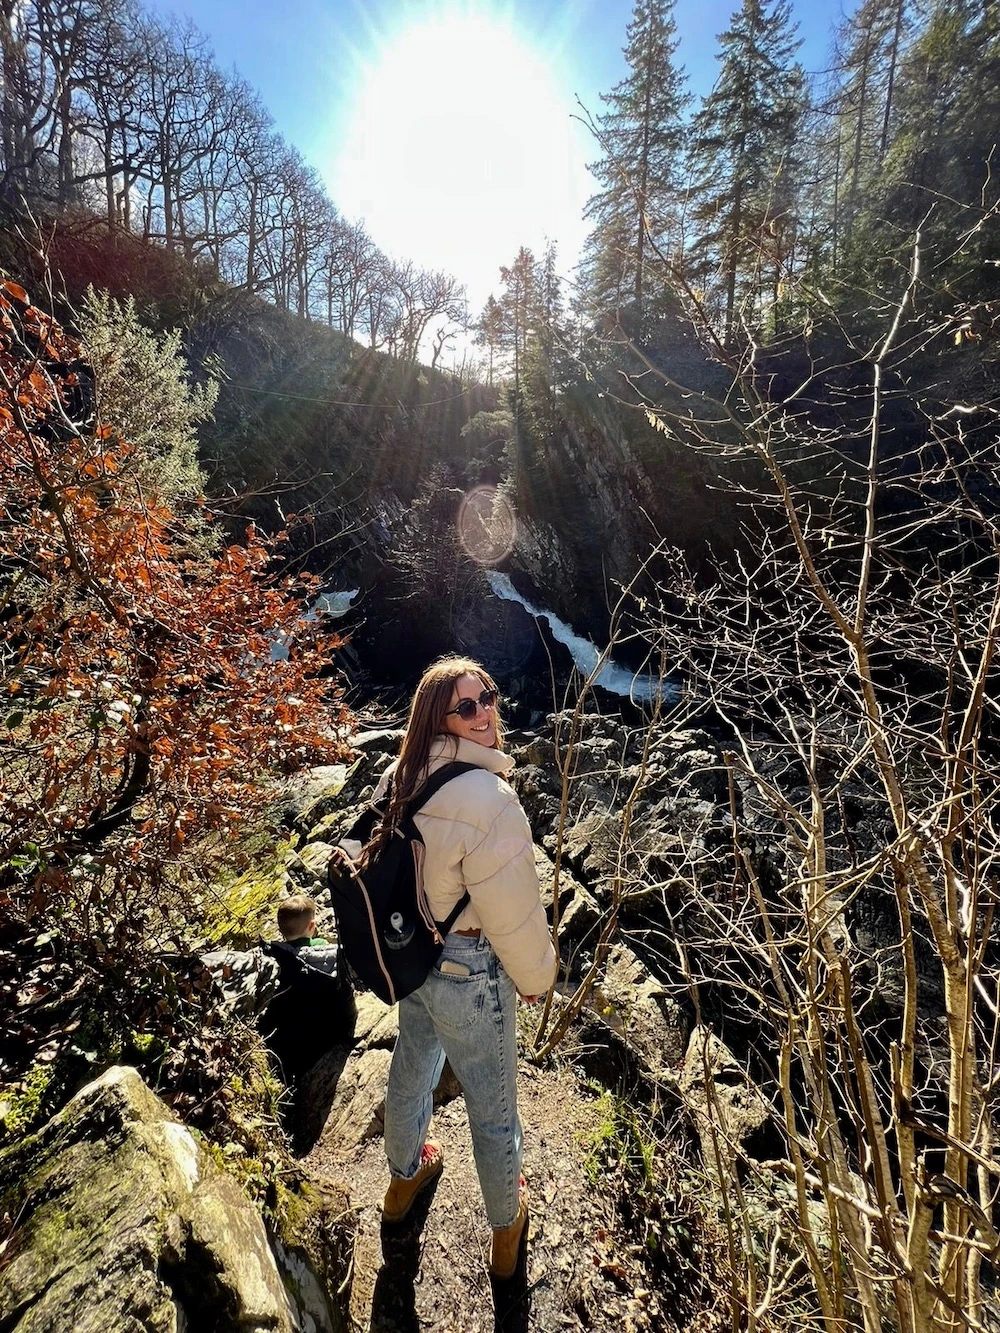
<point x="297" y="921"/>
<point x="313" y="1010"/>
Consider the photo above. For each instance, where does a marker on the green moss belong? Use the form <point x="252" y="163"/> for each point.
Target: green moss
<point x="250" y="1143"/>
<point x="319" y="1225"/>
<point x="620" y="1145"/>
<point x="23" y="1106"/>
<point x="332" y="827"/>
<point x="50" y="1228"/>
<point x="599" y="1139"/>
<point x="240" y="908"/>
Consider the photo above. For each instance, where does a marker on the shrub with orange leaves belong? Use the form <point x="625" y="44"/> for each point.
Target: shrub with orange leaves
<point x="141" y="702"/>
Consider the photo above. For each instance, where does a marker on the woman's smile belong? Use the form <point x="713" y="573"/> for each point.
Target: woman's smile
<point x="481" y="726"/>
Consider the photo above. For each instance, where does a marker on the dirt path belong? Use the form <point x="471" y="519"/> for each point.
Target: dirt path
<point x="430" y="1273"/>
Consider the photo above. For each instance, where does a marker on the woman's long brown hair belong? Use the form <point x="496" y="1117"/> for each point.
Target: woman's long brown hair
<point x="431" y="702"/>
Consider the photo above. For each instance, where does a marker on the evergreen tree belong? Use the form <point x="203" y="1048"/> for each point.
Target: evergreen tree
<point x="744" y="165"/>
<point x="517" y="304"/>
<point x="642" y="134"/>
<point x="536" y="340"/>
<point x="546" y="359"/>
<point x="940" y="171"/>
<point x="870" y="44"/>
<point x="161" y="422"/>
<point x="488" y="332"/>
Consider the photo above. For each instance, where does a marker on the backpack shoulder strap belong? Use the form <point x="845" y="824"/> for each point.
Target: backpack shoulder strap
<point x="436" y="781"/>
<point x="446" y="925"/>
<point x="433" y="784"/>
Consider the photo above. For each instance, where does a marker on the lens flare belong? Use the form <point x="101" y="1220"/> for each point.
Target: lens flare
<point x="486" y="525"/>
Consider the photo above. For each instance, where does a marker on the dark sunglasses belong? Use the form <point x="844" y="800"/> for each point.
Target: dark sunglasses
<point x="467" y="708"/>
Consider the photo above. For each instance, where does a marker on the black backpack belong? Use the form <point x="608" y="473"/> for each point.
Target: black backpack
<point x="384" y="925"/>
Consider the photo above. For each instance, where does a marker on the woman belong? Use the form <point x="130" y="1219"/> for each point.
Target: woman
<point x="476" y="839"/>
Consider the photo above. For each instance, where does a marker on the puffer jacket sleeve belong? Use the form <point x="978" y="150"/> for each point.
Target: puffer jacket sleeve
<point x="502" y="881"/>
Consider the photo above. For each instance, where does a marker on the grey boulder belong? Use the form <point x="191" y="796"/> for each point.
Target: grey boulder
<point x="124" y="1222"/>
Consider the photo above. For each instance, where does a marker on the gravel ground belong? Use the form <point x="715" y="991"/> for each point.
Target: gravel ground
<point x="430" y="1273"/>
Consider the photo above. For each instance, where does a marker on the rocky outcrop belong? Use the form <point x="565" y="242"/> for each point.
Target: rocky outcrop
<point x="602" y="491"/>
<point x="633" y="1002"/>
<point x="124" y="1221"/>
<point x="733" y="1120"/>
<point x="246" y="981"/>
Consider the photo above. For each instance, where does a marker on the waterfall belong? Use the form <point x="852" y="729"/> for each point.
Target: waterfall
<point x="331" y="604"/>
<point x="612" y="677"/>
<point x="334" y="603"/>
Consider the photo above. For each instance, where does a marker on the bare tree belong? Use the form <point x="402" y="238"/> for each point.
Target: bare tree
<point x="423" y="297"/>
<point x="27" y="112"/>
<point x="851" y="655"/>
<point x="381" y="315"/>
<point x="182" y="112"/>
<point x="353" y="265"/>
<point x="108" y="111"/>
<point x="102" y="104"/>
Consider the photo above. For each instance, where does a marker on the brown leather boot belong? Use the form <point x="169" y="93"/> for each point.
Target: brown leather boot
<point x="507" y="1240"/>
<point x="402" y="1194"/>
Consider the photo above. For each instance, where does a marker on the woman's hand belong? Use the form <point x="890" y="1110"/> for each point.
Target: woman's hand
<point x="530" y="999"/>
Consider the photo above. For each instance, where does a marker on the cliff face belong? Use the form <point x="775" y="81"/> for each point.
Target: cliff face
<point x="611" y="489"/>
<point x="379" y="455"/>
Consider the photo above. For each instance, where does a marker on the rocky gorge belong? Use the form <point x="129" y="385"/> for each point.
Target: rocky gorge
<point x="757" y="1087"/>
<point x="118" y="1218"/>
<point x="659" y="1056"/>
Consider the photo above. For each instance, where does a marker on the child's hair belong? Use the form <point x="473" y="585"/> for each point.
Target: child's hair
<point x="294" y="915"/>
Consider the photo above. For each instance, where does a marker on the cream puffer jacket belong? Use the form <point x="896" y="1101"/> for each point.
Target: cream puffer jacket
<point x="476" y="837"/>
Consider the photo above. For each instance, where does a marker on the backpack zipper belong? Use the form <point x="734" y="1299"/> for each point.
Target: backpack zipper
<point x="374" y="933"/>
<point x="423" y="906"/>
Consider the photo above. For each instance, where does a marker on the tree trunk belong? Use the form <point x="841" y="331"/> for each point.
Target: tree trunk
<point x="891" y="81"/>
<point x="852" y="197"/>
<point x="252" y="236"/>
<point x="109" y="178"/>
<point x="65" y="181"/>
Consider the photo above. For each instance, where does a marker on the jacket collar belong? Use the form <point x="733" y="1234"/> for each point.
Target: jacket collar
<point x="445" y="749"/>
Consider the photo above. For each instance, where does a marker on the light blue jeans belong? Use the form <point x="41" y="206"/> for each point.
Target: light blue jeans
<point x="471" y="1020"/>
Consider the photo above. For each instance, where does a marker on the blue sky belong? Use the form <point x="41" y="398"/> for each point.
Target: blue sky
<point x="447" y="125"/>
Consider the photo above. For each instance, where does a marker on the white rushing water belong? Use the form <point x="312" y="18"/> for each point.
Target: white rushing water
<point x="331" y="604"/>
<point x="612" y="677"/>
<point x="334" y="603"/>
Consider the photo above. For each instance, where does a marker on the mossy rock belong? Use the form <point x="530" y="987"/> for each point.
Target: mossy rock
<point x="312" y="1238"/>
<point x="124" y="1221"/>
<point x="239" y="911"/>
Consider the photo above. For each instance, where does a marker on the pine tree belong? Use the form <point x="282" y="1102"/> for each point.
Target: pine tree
<point x="546" y="360"/>
<point x="940" y="171"/>
<point x="642" y="134"/>
<point x="870" y="43"/>
<point x="516" y="304"/>
<point x="743" y="162"/>
<point x="488" y="332"/>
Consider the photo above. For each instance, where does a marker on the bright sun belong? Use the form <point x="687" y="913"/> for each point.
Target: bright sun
<point x="461" y="148"/>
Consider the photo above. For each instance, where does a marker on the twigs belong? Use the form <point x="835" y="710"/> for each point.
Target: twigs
<point x="851" y="652"/>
